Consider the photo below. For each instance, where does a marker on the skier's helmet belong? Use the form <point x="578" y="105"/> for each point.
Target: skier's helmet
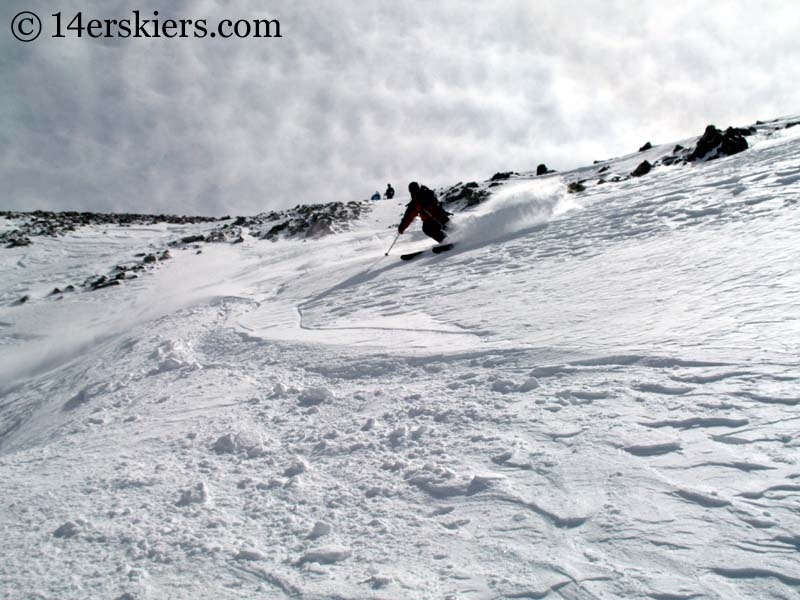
<point x="413" y="187"/>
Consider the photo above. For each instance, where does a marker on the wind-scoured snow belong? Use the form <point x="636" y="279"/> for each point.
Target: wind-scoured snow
<point x="593" y="395"/>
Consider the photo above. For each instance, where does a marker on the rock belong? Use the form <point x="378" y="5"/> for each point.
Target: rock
<point x="713" y="144"/>
<point x="320" y="529"/>
<point x="542" y="169"/>
<point x="647" y="146"/>
<point x="325" y="556"/>
<point x="249" y="554"/>
<point x="575" y="187"/>
<point x="302" y="221"/>
<point x="149" y="259"/>
<point x="297" y="468"/>
<point x="502" y="176"/>
<point x="21" y="300"/>
<point x="192" y="239"/>
<point x="53" y="224"/>
<point x="249" y="445"/>
<point x="103" y="282"/>
<point x="67" y="530"/>
<point x="470" y="194"/>
<point x="14" y="239"/>
<point x="643" y="169"/>
<point x="711" y="138"/>
<point x="196" y="495"/>
<point x="314" y="396"/>
<point x="504" y="386"/>
<point x="733" y="141"/>
<point x="530" y="384"/>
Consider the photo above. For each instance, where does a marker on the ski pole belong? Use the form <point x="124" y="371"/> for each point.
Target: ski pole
<point x="392" y="246"/>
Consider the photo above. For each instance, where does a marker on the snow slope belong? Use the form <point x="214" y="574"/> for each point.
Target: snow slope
<point x="593" y="395"/>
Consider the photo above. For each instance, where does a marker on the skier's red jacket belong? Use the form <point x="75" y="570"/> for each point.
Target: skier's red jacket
<point x="425" y="206"/>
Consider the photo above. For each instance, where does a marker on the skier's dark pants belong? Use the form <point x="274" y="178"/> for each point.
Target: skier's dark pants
<point x="434" y="230"/>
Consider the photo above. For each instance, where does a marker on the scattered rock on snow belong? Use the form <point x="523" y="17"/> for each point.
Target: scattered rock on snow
<point x="470" y="194"/>
<point x="531" y="383"/>
<point x="196" y="495"/>
<point x="652" y="449"/>
<point x="67" y="530"/>
<point x="325" y="556"/>
<point x="245" y="443"/>
<point x="398" y="434"/>
<point x="314" y="396"/>
<point x="249" y="554"/>
<point x="504" y="386"/>
<point x="320" y="529"/>
<point x="297" y="468"/>
<point x="377" y="582"/>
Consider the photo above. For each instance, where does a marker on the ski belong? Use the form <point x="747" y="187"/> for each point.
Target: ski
<point x="436" y="250"/>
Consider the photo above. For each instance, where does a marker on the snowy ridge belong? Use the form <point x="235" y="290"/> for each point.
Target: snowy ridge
<point x="594" y="395"/>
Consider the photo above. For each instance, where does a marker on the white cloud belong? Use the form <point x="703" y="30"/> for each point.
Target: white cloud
<point x="360" y="93"/>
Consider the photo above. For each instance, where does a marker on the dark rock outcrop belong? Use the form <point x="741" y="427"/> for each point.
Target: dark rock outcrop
<point x="646" y="146"/>
<point x="503" y="176"/>
<point x="643" y="169"/>
<point x="14" y="238"/>
<point x="714" y="143"/>
<point x="302" y="221"/>
<point x="48" y="223"/>
<point x="468" y="194"/>
<point x="193" y="239"/>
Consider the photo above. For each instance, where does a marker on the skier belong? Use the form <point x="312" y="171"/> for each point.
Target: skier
<point x="389" y="193"/>
<point x="376" y="196"/>
<point x="425" y="205"/>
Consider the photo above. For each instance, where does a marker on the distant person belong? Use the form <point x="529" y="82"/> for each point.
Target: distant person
<point x="376" y="196"/>
<point x="389" y="193"/>
<point x="425" y="205"/>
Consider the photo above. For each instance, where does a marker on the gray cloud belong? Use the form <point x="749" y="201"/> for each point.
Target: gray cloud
<point x="360" y="93"/>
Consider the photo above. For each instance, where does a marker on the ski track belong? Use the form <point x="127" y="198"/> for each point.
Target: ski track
<point x="548" y="416"/>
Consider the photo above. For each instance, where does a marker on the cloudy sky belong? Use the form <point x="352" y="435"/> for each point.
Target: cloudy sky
<point x="360" y="93"/>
